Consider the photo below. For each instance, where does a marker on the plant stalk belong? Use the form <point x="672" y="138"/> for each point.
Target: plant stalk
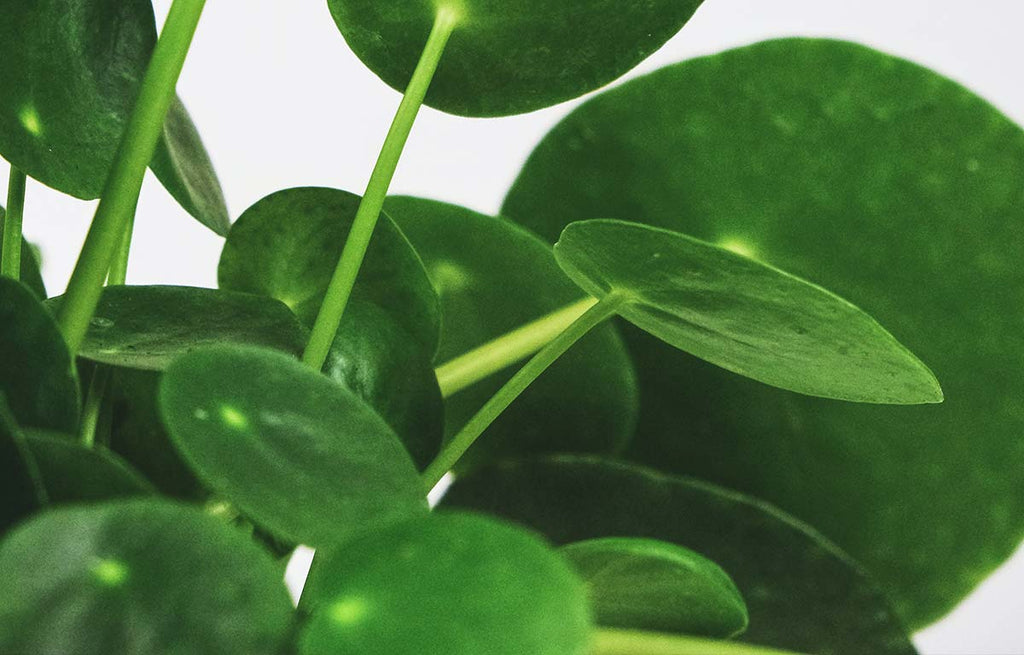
<point x="94" y="404"/>
<point x="465" y="438"/>
<point x="119" y="267"/>
<point x="340" y="289"/>
<point x="10" y="255"/>
<point x="121" y="192"/>
<point x="630" y="642"/>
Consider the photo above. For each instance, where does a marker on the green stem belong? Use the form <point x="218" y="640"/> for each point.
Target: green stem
<point x="629" y="642"/>
<point x="121" y="192"/>
<point x="340" y="289"/>
<point x="465" y="438"/>
<point x="119" y="268"/>
<point x="479" y="363"/>
<point x="94" y="404"/>
<point x="10" y="255"/>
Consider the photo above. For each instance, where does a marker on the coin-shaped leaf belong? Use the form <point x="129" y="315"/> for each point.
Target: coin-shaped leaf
<point x="510" y="57"/>
<point x="138" y="577"/>
<point x="493" y="277"/>
<point x="802" y="592"/>
<point x="37" y="375"/>
<point x="445" y="584"/>
<point x="646" y="584"/>
<point x="887" y="184"/>
<point x="742" y="315"/>
<point x="298" y="453"/>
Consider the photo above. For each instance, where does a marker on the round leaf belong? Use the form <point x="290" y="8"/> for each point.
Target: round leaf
<point x="30" y="275"/>
<point x="802" y="592"/>
<point x="298" y="453"/>
<point x="646" y="584"/>
<point x="510" y="57"/>
<point x="742" y="315"/>
<point x="882" y="181"/>
<point x="493" y="277"/>
<point x="37" y="374"/>
<point x="72" y="472"/>
<point x="288" y="244"/>
<point x="21" y="485"/>
<point x="446" y="584"/>
<point x="138" y="577"/>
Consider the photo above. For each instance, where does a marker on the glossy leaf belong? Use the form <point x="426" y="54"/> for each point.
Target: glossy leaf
<point x="147" y="327"/>
<point x="445" y="584"/>
<point x="71" y="72"/>
<point x="37" y="374"/>
<point x="651" y="585"/>
<point x="884" y="182"/>
<point x="30" y="274"/>
<point x="298" y="453"/>
<point x="802" y="592"/>
<point x="510" y="57"/>
<point x="742" y="315"/>
<point x="138" y="577"/>
<point x="288" y="244"/>
<point x="493" y="277"/>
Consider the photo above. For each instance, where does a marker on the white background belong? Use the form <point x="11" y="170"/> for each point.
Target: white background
<point x="281" y="102"/>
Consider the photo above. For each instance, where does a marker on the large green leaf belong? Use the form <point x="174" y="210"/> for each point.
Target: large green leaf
<point x="742" y="315"/>
<point x="889" y="185"/>
<point x="510" y="57"/>
<point x="29" y="274"/>
<point x="72" y="70"/>
<point x="445" y="584"/>
<point x="646" y="584"/>
<point x="298" y="453"/>
<point x="37" y="374"/>
<point x="801" y="591"/>
<point x="493" y="277"/>
<point x="136" y="578"/>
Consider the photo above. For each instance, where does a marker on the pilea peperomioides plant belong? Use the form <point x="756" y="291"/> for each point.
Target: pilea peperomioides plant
<point x="660" y="442"/>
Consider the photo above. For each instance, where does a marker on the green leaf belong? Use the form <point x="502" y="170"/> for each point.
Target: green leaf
<point x="295" y="451"/>
<point x="288" y="244"/>
<point x="744" y="316"/>
<point x="802" y="592"/>
<point x="37" y="374"/>
<point x="882" y="181"/>
<point x="493" y="277"/>
<point x="646" y="584"/>
<point x="510" y="57"/>
<point x="72" y="472"/>
<point x="445" y="584"/>
<point x="147" y="327"/>
<point x="21" y="485"/>
<point x="138" y="577"/>
<point x="72" y="70"/>
<point x="30" y="274"/>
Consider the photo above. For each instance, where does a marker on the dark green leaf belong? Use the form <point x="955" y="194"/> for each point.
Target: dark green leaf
<point x="72" y="472"/>
<point x="510" y="57"/>
<point x="137" y="578"/>
<point x="148" y="327"/>
<point x="297" y="452"/>
<point x="802" y="592"/>
<point x="36" y="376"/>
<point x="446" y="584"/>
<point x="493" y="277"/>
<point x="742" y="315"/>
<point x="889" y="185"/>
<point x="288" y="244"/>
<point x="646" y="584"/>
<point x="21" y="484"/>
<point x="30" y="274"/>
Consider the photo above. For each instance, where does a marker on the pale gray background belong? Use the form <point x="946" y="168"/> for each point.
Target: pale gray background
<point x="281" y="102"/>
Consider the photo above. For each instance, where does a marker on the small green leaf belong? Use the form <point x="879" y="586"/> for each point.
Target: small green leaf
<point x="510" y="57"/>
<point x="37" y="374"/>
<point x="21" y="484"/>
<point x="147" y="327"/>
<point x="287" y="246"/>
<point x="445" y="584"/>
<point x="646" y="584"/>
<point x="493" y="277"/>
<point x="30" y="274"/>
<point x="744" y="316"/>
<point x="802" y="592"/>
<point x="295" y="451"/>
<point x="72" y="472"/>
<point x="136" y="578"/>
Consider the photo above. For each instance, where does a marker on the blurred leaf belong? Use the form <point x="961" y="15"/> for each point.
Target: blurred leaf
<point x="30" y="274"/>
<point x="21" y="485"/>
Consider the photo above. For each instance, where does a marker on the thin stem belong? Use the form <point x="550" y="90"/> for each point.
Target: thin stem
<point x="10" y="255"/>
<point x="340" y="289"/>
<point x="94" y="404"/>
<point x="121" y="192"/>
<point x="119" y="268"/>
<point x="479" y="363"/>
<point x="629" y="642"/>
<point x="465" y="438"/>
